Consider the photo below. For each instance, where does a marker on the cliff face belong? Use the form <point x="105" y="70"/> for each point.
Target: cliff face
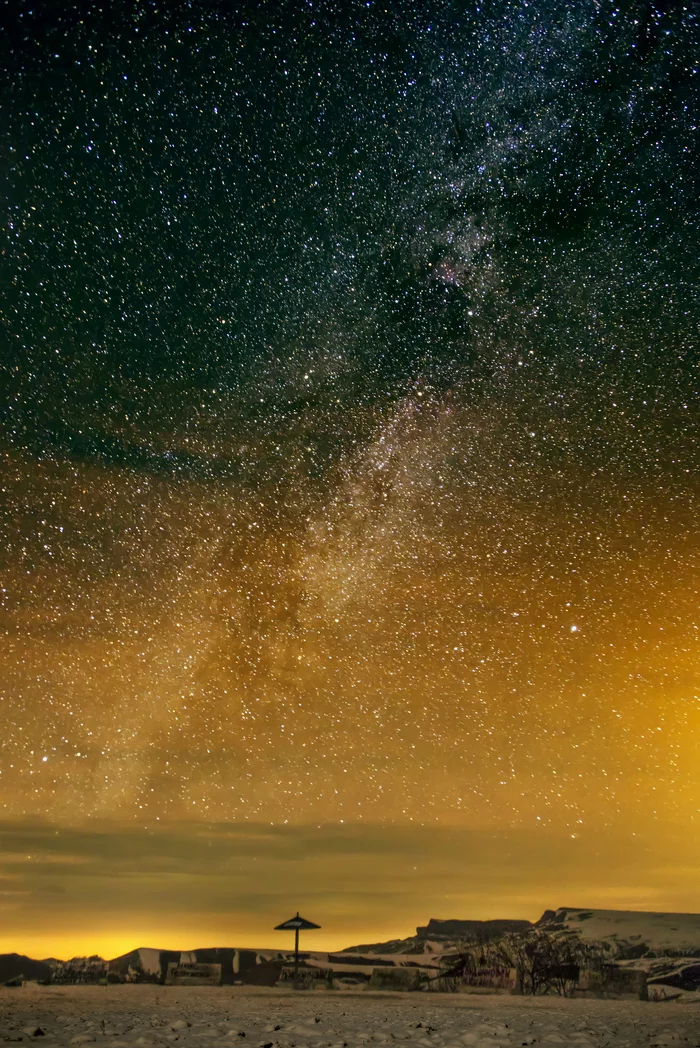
<point x="437" y="930"/>
<point x="439" y="935"/>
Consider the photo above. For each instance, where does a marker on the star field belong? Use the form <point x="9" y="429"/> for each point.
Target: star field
<point x="350" y="415"/>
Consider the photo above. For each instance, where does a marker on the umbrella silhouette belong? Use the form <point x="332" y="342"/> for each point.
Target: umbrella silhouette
<point x="296" y="923"/>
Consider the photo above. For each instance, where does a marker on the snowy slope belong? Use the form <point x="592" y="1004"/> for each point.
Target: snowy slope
<point x="633" y="933"/>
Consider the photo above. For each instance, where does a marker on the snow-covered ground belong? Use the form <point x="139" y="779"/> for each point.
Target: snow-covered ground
<point x="160" y="1017"/>
<point x="677" y="932"/>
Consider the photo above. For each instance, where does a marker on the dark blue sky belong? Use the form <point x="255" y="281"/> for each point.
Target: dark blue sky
<point x="349" y="400"/>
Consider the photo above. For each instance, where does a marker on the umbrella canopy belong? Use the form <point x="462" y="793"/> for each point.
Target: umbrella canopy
<point x="295" y="923"/>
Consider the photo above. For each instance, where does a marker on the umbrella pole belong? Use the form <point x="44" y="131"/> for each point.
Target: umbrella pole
<point x="297" y="923"/>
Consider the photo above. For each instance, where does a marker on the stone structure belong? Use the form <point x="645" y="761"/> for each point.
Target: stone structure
<point x="396" y="979"/>
<point x="613" y="982"/>
<point x="307" y="977"/>
<point x="193" y="974"/>
<point x="495" y="979"/>
<point x="266" y="973"/>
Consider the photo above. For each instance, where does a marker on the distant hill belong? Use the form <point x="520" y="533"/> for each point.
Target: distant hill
<point x="439" y="935"/>
<point x="633" y="933"/>
<point x="152" y="964"/>
<point x="410" y="945"/>
<point x="14" y="964"/>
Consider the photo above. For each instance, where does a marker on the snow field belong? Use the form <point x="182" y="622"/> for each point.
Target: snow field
<point x="200" y="1017"/>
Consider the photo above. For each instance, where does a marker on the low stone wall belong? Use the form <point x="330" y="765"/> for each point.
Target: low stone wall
<point x="613" y="982"/>
<point x="495" y="978"/>
<point x="396" y="979"/>
<point x="265" y="974"/>
<point x="306" y="978"/>
<point x="193" y="974"/>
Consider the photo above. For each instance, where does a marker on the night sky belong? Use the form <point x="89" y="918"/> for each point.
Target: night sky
<point x="350" y="479"/>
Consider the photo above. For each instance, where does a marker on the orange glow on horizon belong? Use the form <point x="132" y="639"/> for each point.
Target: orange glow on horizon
<point x="110" y="944"/>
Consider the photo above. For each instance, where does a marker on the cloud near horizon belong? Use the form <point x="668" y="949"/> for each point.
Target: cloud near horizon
<point x="109" y="888"/>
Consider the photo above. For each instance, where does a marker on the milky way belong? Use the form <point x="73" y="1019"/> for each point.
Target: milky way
<point x="349" y="394"/>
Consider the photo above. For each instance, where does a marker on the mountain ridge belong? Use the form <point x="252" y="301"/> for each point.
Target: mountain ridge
<point x="631" y="934"/>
